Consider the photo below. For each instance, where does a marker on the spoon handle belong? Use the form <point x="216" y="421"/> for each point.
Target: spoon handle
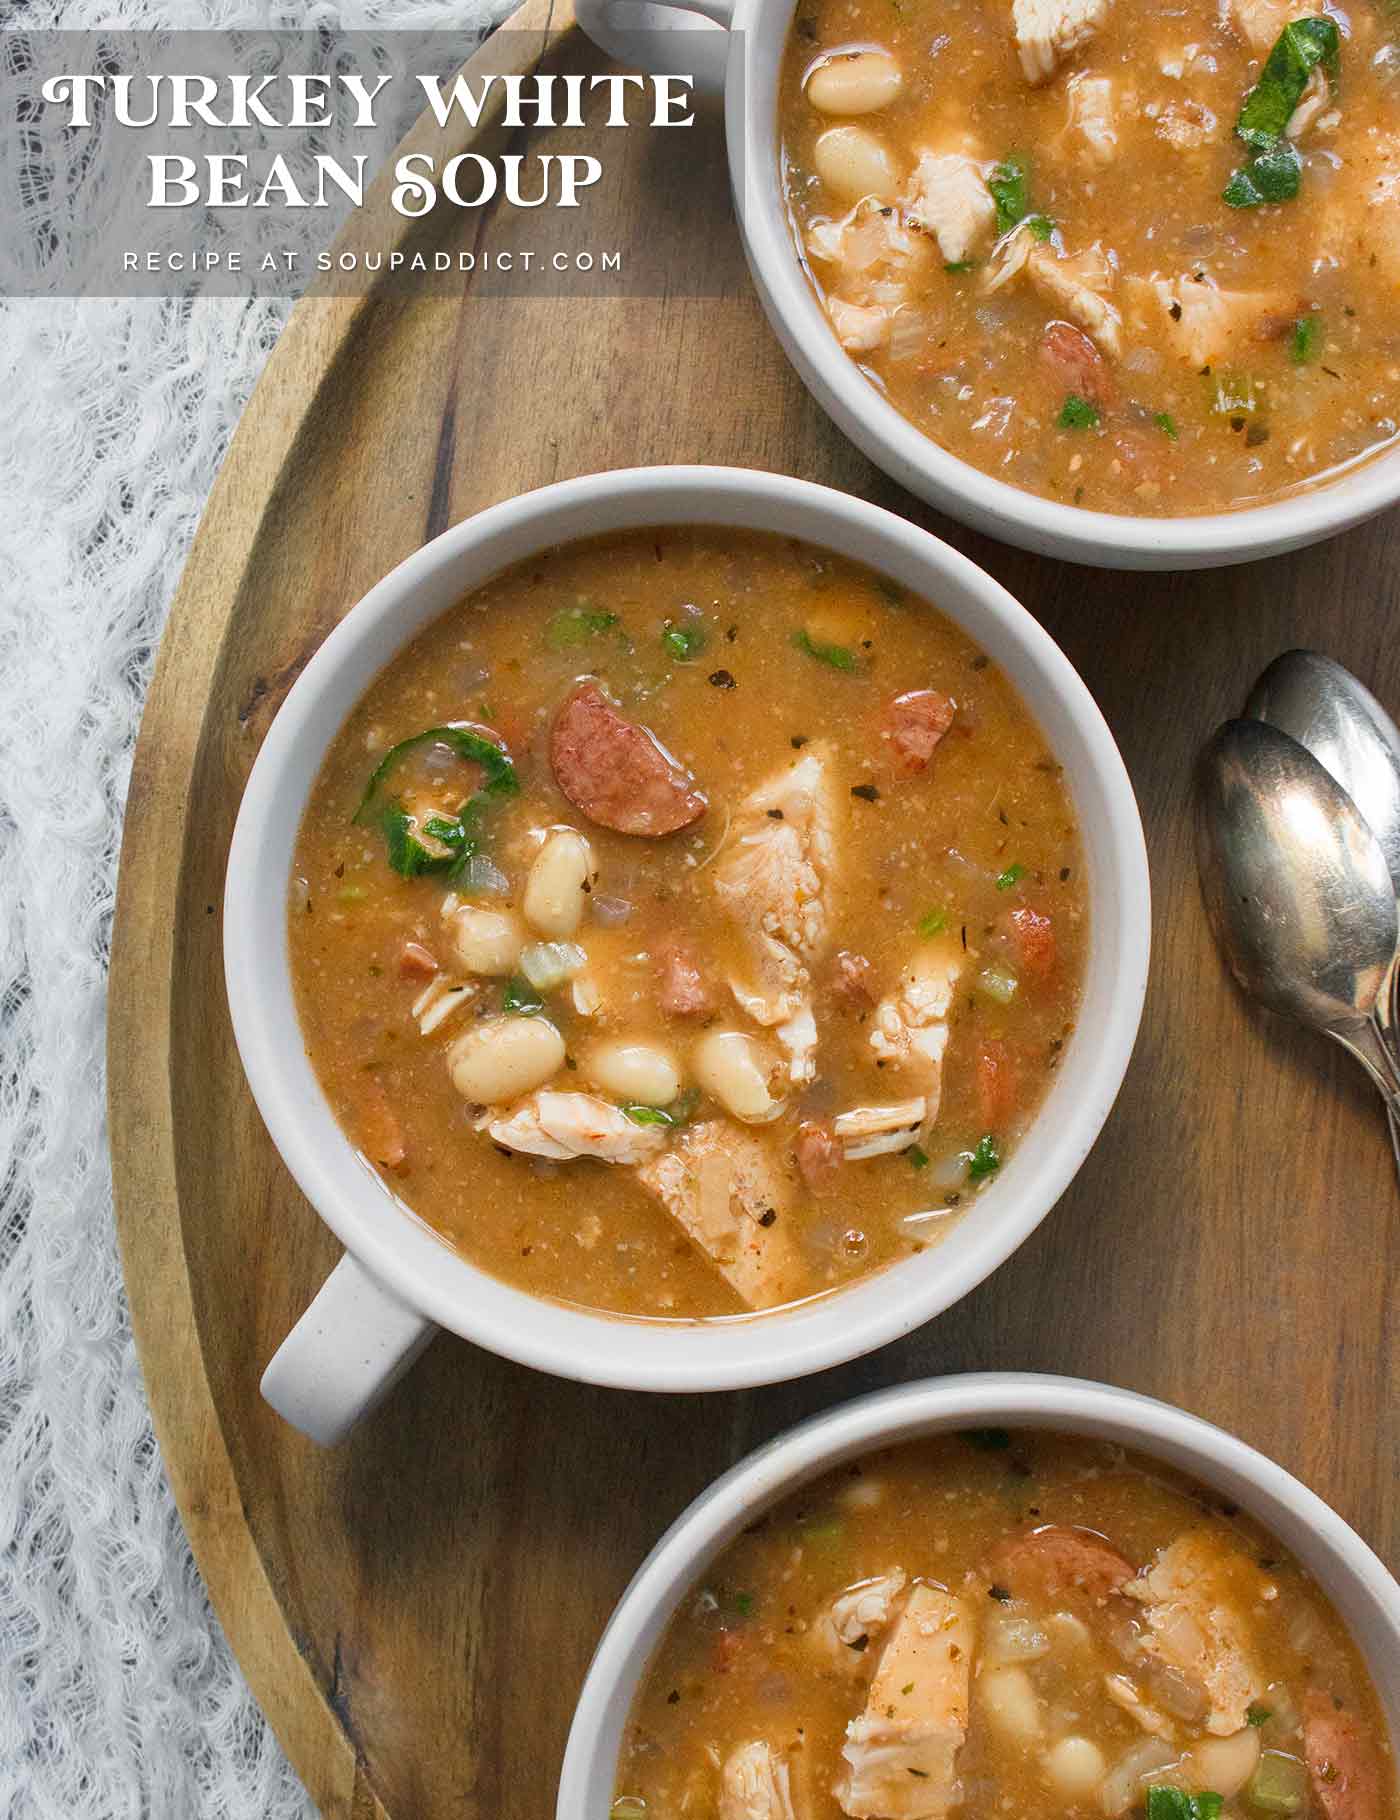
<point x="1366" y="1042"/>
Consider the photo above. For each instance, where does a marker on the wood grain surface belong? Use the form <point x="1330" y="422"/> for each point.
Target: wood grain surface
<point x="415" y="1610"/>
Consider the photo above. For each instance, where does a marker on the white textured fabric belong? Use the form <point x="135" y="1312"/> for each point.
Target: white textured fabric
<point x="119" y="1698"/>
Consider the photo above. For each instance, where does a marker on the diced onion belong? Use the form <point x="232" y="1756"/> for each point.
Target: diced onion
<point x="1012" y="1639"/>
<point x="548" y="964"/>
<point x="910" y="334"/>
<point x="481" y="874"/>
<point x="1123" y="1782"/>
<point x="610" y="912"/>
<point x="950" y="1172"/>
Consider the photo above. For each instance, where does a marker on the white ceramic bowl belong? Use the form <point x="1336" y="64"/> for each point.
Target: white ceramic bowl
<point x="379" y="1306"/>
<point x="747" y="65"/>
<point x="1364" y="1594"/>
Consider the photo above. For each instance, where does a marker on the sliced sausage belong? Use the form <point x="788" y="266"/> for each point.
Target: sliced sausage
<point x="377" y="1126"/>
<point x="819" y="1155"/>
<point x="914" y="724"/>
<point x="851" y="980"/>
<point x="682" y="990"/>
<point x="416" y="962"/>
<point x="1057" y="1560"/>
<point x="617" y="773"/>
<point x="996" y="1084"/>
<point x="1078" y="365"/>
<point x="1341" y="1758"/>
<point x="1034" y="938"/>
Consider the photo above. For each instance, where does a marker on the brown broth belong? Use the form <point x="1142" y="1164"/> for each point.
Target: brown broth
<point x="992" y="807"/>
<point x="747" y="1656"/>
<point x="965" y="365"/>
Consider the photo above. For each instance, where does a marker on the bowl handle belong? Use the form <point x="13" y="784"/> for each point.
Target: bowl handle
<point x="344" y="1355"/>
<point x="691" y="40"/>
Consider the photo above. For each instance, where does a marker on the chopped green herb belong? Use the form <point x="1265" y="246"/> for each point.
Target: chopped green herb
<point x="1272" y="176"/>
<point x="989" y="1440"/>
<point x="1307" y="340"/>
<point x="1078" y="414"/>
<point x="1257" y="1715"/>
<point x="985" y="1159"/>
<point x="1010" y="187"/>
<point x="907" y="1689"/>
<point x="647" y="1115"/>
<point x="685" y="641"/>
<point x="1299" y="48"/>
<point x="836" y="655"/>
<point x="958" y="265"/>
<point x="521" y="999"/>
<point x="933" y="922"/>
<point x="1165" y="1803"/>
<point x="1166" y="423"/>
<point x="453" y="838"/>
<point x="682" y="1110"/>
<point x="918" y="1159"/>
<point x="1013" y="875"/>
<point x="743" y="1604"/>
<point x="575" y="626"/>
<point x="1275" y="171"/>
<point x="1233" y="394"/>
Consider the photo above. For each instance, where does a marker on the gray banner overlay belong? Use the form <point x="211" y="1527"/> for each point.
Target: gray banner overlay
<point x="160" y="164"/>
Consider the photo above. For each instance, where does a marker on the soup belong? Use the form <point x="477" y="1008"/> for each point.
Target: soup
<point x="1044" y="229"/>
<point x="999" y="1623"/>
<point x="688" y="923"/>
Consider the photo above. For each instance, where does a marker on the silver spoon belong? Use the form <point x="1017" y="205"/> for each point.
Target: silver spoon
<point x="1297" y="889"/>
<point x="1331" y="712"/>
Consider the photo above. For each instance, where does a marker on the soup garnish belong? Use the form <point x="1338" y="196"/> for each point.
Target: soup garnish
<point x="688" y="923"/>
<point x="998" y="1622"/>
<point x="1138" y="261"/>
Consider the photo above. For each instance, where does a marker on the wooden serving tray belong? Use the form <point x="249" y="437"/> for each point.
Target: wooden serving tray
<point x="415" y="1610"/>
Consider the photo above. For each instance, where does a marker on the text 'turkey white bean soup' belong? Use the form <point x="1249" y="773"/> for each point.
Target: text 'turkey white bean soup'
<point x="1018" y="1624"/>
<point x="1134" y="258"/>
<point x="688" y="923"/>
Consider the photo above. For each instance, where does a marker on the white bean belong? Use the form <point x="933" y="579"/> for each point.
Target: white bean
<point x="503" y="1057"/>
<point x="1011" y="1703"/>
<point x="856" y="82"/>
<point x="852" y="163"/>
<point x="1223" y="1764"/>
<point x="555" y="888"/>
<point x="737" y="1070"/>
<point x="1076" y="1766"/>
<point x="485" y="941"/>
<point x="638" y="1073"/>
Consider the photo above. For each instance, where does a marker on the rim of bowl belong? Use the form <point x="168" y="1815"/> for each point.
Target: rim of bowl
<point x="890" y="440"/>
<point x="407" y="1256"/>
<point x="1366" y="1596"/>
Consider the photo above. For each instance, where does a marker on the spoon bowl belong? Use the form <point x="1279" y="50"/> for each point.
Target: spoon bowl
<point x="1318" y="702"/>
<point x="1295" y="884"/>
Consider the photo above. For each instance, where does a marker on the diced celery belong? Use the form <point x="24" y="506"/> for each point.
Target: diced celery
<point x="998" y="983"/>
<point x="1279" y="1785"/>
